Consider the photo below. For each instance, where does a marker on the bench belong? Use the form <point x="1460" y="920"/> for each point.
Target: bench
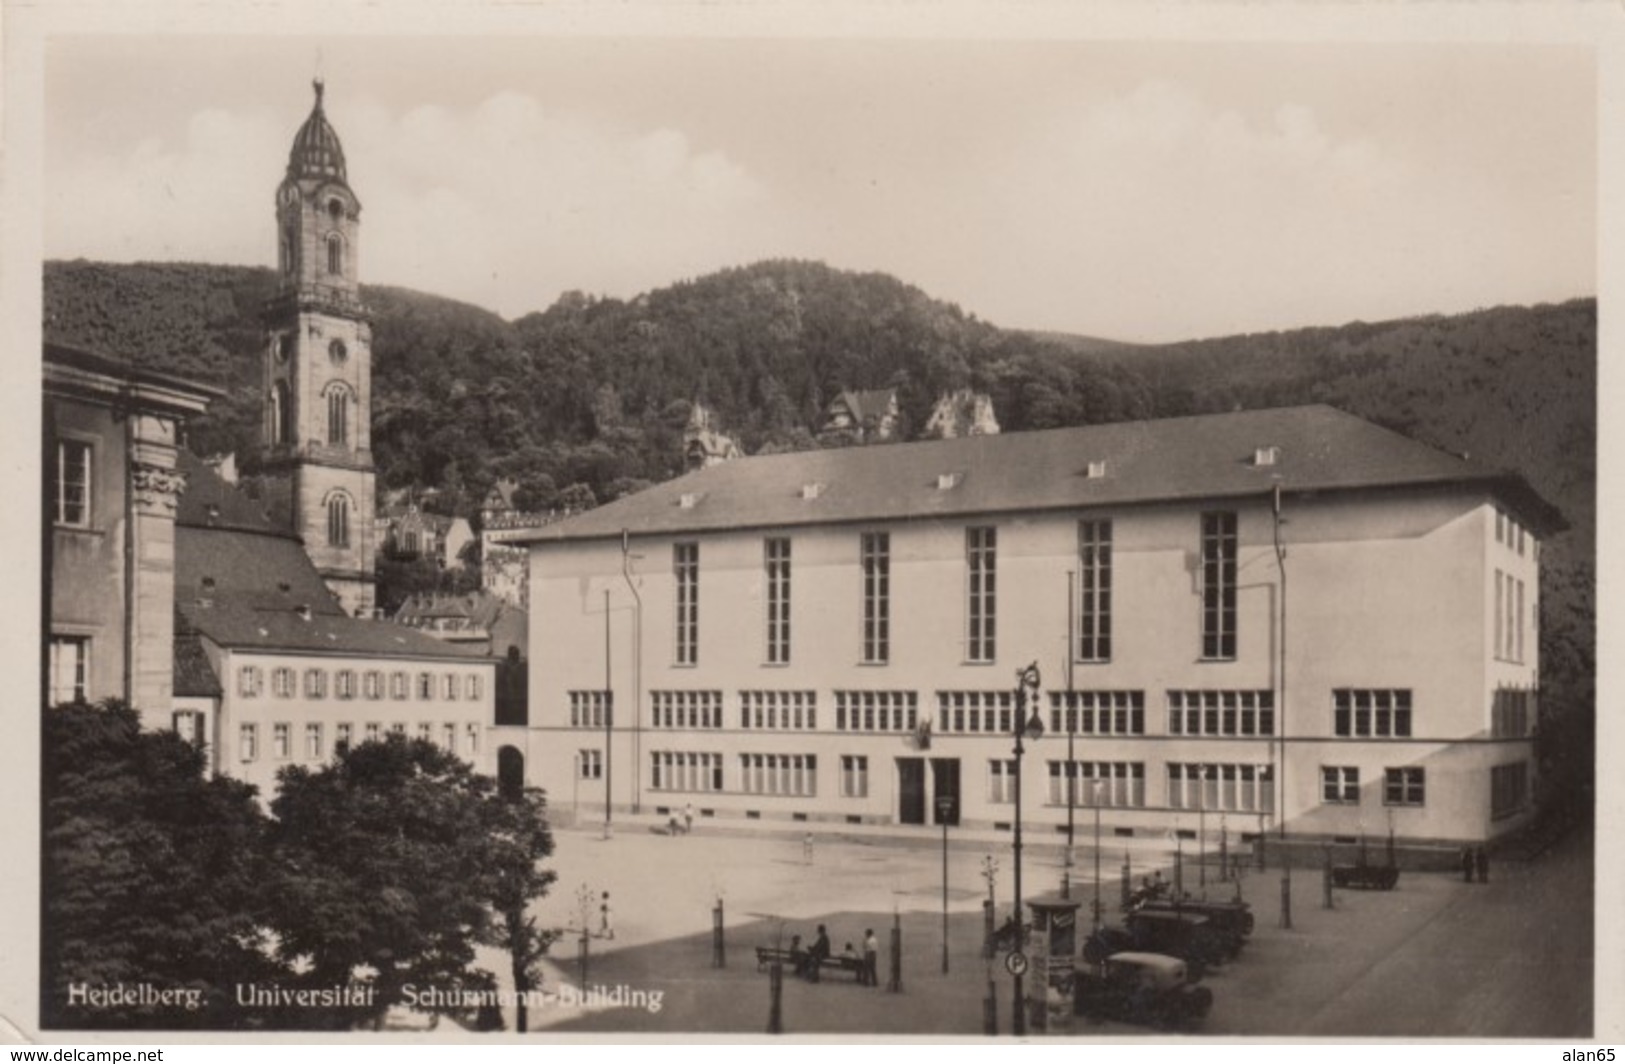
<point x="766" y="955"/>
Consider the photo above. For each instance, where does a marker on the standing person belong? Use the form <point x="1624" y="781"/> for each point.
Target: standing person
<point x="806" y="848"/>
<point x="871" y="958"/>
<point x="818" y="954"/>
<point x="1482" y="858"/>
<point x="1467" y="864"/>
<point x="606" y="925"/>
<point x="688" y="818"/>
<point x="798" y="956"/>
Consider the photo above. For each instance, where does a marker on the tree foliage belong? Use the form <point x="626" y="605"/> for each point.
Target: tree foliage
<point x="392" y="864"/>
<point x="153" y="875"/>
<point x="386" y="867"/>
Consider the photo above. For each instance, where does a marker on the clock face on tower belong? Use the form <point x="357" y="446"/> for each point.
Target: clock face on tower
<point x="337" y="352"/>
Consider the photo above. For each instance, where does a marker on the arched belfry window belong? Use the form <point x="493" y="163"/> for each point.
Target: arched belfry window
<point x="338" y="416"/>
<point x="279" y="422"/>
<point x="335" y="254"/>
<point x="338" y="520"/>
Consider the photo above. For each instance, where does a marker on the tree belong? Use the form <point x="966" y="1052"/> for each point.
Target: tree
<point x="516" y="827"/>
<point x="577" y="498"/>
<point x="152" y="876"/>
<point x="394" y="862"/>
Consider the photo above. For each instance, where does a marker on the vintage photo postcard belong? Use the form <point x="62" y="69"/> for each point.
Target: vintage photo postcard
<point x="769" y="523"/>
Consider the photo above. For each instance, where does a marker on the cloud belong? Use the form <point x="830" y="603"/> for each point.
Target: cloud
<point x="504" y="203"/>
<point x="205" y="197"/>
<point x="1171" y="216"/>
<point x="509" y="202"/>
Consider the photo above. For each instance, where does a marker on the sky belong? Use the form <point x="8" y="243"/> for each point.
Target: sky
<point x="1136" y="190"/>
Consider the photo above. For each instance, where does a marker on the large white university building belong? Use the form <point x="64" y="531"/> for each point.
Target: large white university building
<point x="835" y="635"/>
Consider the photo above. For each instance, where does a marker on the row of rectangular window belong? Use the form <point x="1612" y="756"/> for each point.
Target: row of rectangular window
<point x="1509" y="789"/>
<point x="1210" y="787"/>
<point x="1512" y="709"/>
<point x="1094" y="607"/>
<point x="248" y="738"/>
<point x="1221" y="713"/>
<point x="1508" y="531"/>
<point x="1356" y="712"/>
<point x="1097" y="712"/>
<point x="1401" y="787"/>
<point x="1509" y="617"/>
<point x="1340" y="785"/>
<point x="285" y="684"/>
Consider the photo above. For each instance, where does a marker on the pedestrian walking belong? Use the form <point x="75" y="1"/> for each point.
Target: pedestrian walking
<point x="806" y="848"/>
<point x="1482" y="859"/>
<point x="1467" y="864"/>
<point x="688" y="818"/>
<point x="871" y="958"/>
<point x="606" y="924"/>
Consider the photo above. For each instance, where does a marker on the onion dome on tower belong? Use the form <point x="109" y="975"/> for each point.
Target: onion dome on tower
<point x="316" y="149"/>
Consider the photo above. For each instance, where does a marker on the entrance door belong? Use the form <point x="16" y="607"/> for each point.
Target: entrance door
<point x="911" y="790"/>
<point x="510" y="773"/>
<point x="945" y="784"/>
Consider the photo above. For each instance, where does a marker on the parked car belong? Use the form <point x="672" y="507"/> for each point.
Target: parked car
<point x="1188" y="936"/>
<point x="1232" y="920"/>
<point x="1142" y="988"/>
<point x="1365" y="876"/>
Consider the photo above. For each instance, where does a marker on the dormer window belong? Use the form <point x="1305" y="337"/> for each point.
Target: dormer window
<point x="812" y="490"/>
<point x="1266" y="456"/>
<point x="948" y="481"/>
<point x="1096" y="470"/>
<point x="688" y="500"/>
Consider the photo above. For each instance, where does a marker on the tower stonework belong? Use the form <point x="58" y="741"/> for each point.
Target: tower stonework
<point x="317" y="445"/>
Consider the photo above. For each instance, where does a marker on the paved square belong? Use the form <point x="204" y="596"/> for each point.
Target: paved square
<point x="1436" y="957"/>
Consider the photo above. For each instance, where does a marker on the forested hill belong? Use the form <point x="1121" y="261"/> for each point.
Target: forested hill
<point x="596" y="391"/>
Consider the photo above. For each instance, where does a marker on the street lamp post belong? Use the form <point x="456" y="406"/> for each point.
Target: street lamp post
<point x="1280" y="714"/>
<point x="609" y="724"/>
<point x="1026" y="694"/>
<point x="1071" y="717"/>
<point x="1201" y="830"/>
<point x="1095" y="796"/>
<point x="945" y="809"/>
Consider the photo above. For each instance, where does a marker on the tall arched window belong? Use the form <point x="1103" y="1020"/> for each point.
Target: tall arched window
<point x="277" y="415"/>
<point x="338" y="417"/>
<point x="335" y="254"/>
<point x="290" y="247"/>
<point x="338" y="521"/>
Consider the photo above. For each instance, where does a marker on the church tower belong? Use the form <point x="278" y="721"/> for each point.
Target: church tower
<point x="318" y="370"/>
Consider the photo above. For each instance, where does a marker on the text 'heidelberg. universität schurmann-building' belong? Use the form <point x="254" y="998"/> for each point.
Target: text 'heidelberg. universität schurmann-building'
<point x="1243" y="615"/>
